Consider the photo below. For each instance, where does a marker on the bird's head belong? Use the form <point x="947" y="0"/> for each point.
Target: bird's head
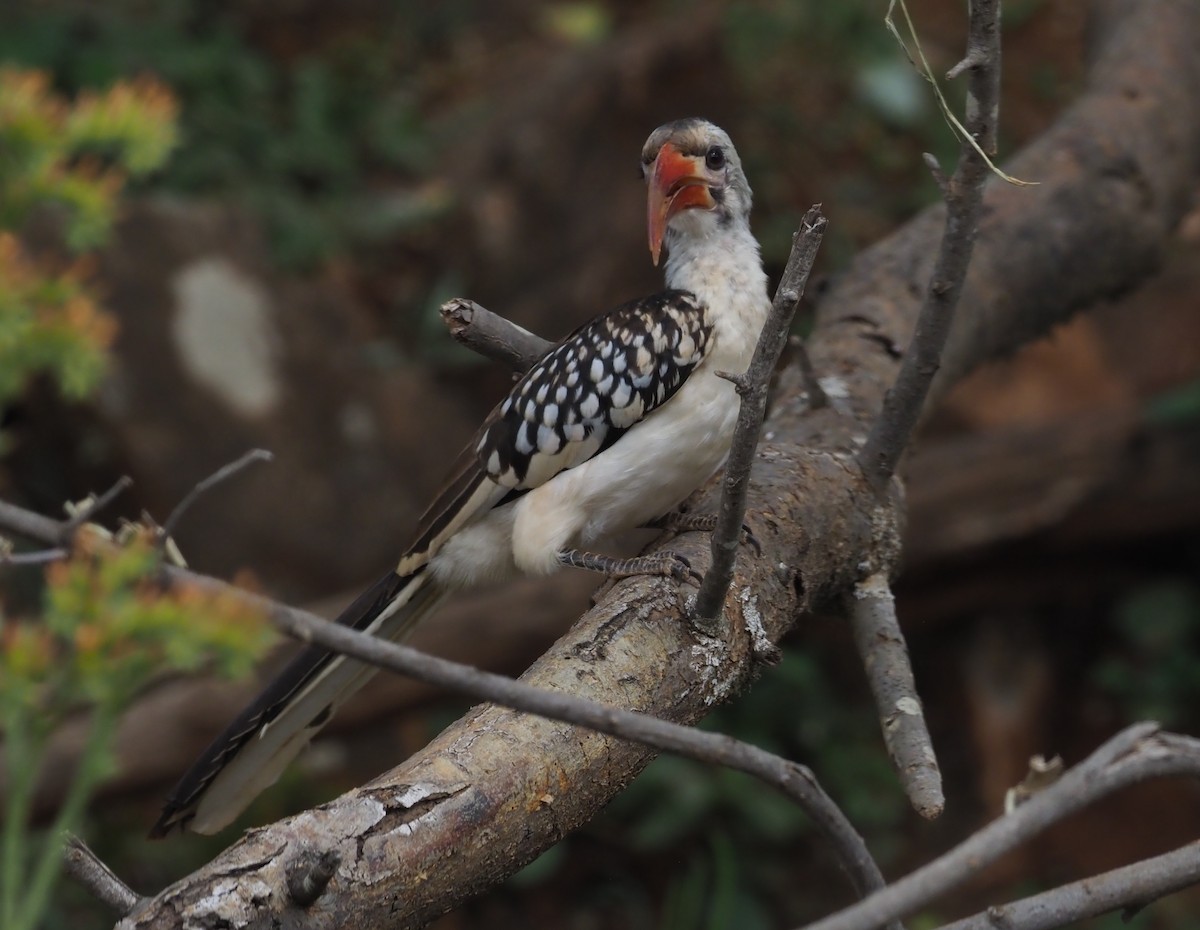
<point x="696" y="181"/>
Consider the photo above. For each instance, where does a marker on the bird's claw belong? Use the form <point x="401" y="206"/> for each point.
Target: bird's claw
<point x="679" y="568"/>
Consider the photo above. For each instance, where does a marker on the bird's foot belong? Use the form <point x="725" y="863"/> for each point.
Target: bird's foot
<point x="666" y="564"/>
<point x="699" y="523"/>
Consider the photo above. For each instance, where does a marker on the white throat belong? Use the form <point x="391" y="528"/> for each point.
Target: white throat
<point x="721" y="265"/>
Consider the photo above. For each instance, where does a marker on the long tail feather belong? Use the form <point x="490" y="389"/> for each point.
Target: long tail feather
<point x="252" y="752"/>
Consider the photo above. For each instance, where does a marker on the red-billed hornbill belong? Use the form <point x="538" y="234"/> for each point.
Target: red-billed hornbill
<point x="612" y="428"/>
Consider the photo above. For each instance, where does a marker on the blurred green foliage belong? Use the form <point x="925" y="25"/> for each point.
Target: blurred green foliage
<point x="1154" y="671"/>
<point x="831" y="86"/>
<point x="581" y="23"/>
<point x="77" y="154"/>
<point x="104" y="632"/>
<point x="298" y="141"/>
<point x="72" y="158"/>
<point x="1177" y="406"/>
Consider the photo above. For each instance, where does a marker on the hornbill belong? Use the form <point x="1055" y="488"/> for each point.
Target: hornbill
<point x="612" y="428"/>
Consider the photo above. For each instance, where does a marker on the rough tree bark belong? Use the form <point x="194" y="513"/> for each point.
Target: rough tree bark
<point x="1079" y="482"/>
<point x="498" y="787"/>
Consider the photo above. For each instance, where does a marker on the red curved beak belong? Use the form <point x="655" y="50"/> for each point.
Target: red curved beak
<point x="676" y="184"/>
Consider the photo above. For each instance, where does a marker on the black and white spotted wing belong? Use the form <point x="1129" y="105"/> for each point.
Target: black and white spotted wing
<point x="575" y="402"/>
<point x="597" y="383"/>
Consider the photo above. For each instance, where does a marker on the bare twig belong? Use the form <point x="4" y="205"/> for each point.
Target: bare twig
<point x="491" y="335"/>
<point x="753" y="387"/>
<point x="939" y="176"/>
<point x="1138" y="753"/>
<point x="975" y="58"/>
<point x="40" y="557"/>
<point x="884" y="654"/>
<point x="793" y="779"/>
<point x="223" y="473"/>
<point x="902" y="406"/>
<point x="31" y="525"/>
<point x="90" y="508"/>
<point x="84" y="866"/>
<point x="1131" y="886"/>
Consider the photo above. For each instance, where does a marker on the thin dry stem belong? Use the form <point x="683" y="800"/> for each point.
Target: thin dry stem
<point x="224" y="473"/>
<point x="881" y="645"/>
<point x="890" y="434"/>
<point x="753" y="388"/>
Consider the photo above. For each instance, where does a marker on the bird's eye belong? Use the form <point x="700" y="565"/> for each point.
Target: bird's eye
<point x="715" y="158"/>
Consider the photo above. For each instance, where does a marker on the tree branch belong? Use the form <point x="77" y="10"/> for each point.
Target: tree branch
<point x="753" y="388"/>
<point x="224" y="473"/>
<point x="1136" y="754"/>
<point x="493" y="336"/>
<point x="794" y="780"/>
<point x="40" y="557"/>
<point x="881" y="645"/>
<point x="85" y="868"/>
<point x="902" y="406"/>
<point x="1130" y="887"/>
<point x="84" y="511"/>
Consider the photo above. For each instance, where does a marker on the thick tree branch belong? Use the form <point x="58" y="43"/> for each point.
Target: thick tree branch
<point x="1138" y="753"/>
<point x="881" y="645"/>
<point x="794" y="780"/>
<point x="902" y="406"/>
<point x="1076" y="484"/>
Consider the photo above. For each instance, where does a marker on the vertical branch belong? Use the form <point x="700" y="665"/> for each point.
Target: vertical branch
<point x="890" y="433"/>
<point x="753" y="386"/>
